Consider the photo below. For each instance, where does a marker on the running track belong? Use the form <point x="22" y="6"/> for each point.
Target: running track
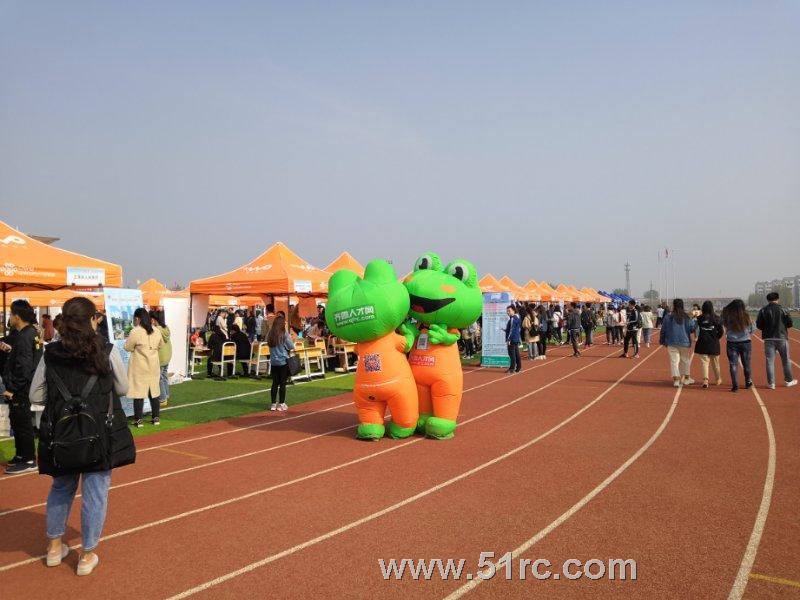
<point x="584" y="458"/>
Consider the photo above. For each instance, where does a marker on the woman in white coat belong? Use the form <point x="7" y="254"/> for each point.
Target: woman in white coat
<point x="144" y="368"/>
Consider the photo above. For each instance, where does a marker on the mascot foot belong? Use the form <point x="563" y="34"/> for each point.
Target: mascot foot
<point x="370" y="431"/>
<point x="421" y="423"/>
<point x="397" y="432"/>
<point x="440" y="429"/>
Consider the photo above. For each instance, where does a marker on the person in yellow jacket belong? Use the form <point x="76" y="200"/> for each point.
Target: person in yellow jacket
<point x="164" y="355"/>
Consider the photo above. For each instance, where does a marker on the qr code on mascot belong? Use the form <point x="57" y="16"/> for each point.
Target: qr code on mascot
<point x="372" y="363"/>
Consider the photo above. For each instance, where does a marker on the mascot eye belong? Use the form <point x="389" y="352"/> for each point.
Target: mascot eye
<point x="424" y="262"/>
<point x="460" y="271"/>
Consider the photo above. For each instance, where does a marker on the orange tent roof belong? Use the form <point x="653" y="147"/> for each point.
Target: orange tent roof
<point x="278" y="271"/>
<point x="534" y="291"/>
<point x="512" y="286"/>
<point x="28" y="264"/>
<point x="53" y="298"/>
<point x="345" y="261"/>
<point x="488" y="283"/>
<point x="152" y="292"/>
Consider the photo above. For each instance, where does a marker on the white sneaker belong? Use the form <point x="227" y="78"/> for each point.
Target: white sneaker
<point x="273" y="406"/>
<point x="86" y="567"/>
<point x="54" y="559"/>
<point x="688" y="381"/>
<point x="676" y="383"/>
<point x="791" y="383"/>
<point x="283" y="407"/>
<point x="771" y="386"/>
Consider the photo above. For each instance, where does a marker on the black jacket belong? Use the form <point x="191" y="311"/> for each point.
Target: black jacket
<point x="21" y="363"/>
<point x="709" y="332"/>
<point x="122" y="450"/>
<point x="242" y="345"/>
<point x="773" y="322"/>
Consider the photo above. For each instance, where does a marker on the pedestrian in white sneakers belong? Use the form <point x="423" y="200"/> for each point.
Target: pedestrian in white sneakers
<point x="773" y="321"/>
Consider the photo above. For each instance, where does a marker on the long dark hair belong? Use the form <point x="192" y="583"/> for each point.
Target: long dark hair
<point x="277" y="332"/>
<point x="708" y="310"/>
<point x="79" y="340"/>
<point x="678" y="314"/>
<point x="144" y="319"/>
<point x="157" y="316"/>
<point x="735" y="316"/>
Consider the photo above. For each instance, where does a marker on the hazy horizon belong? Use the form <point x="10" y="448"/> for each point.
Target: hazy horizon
<point x="553" y="142"/>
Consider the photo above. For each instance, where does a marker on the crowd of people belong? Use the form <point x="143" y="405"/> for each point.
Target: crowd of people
<point x="69" y="359"/>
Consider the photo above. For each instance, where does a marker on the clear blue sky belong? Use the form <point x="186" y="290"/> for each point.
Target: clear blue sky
<point x="546" y="140"/>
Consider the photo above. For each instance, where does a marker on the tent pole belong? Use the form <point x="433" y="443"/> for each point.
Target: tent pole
<point x="189" y="364"/>
<point x="4" y="310"/>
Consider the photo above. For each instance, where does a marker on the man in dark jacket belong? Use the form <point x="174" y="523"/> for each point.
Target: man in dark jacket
<point x="574" y="327"/>
<point x="588" y="322"/>
<point x="773" y="322"/>
<point x="633" y="326"/>
<point x="513" y="339"/>
<point x="19" y="369"/>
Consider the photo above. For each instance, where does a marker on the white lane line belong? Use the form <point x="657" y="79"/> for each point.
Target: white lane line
<point x="255" y="452"/>
<point x="525" y="546"/>
<point x="758" y="337"/>
<point x="323" y="471"/>
<point x="256" y="565"/>
<point x="740" y="583"/>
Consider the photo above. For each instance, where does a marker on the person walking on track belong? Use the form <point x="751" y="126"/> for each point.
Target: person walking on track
<point x="632" y="326"/>
<point x="773" y="322"/>
<point x="709" y="331"/>
<point x="738" y="329"/>
<point x="676" y="335"/>
<point x="82" y="366"/>
<point x="513" y="339"/>
<point x="574" y="328"/>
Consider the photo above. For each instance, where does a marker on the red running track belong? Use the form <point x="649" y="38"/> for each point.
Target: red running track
<point x="574" y="458"/>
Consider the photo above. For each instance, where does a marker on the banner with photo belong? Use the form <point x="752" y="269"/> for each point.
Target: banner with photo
<point x="120" y="305"/>
<point x="494" y="351"/>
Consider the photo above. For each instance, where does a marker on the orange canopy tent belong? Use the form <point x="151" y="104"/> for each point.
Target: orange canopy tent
<point x="488" y="283"/>
<point x="278" y="271"/>
<point x="548" y="293"/>
<point x="345" y="261"/>
<point x="152" y="292"/>
<point x="519" y="292"/>
<point x="533" y="290"/>
<point x="28" y="264"/>
<point x="56" y="298"/>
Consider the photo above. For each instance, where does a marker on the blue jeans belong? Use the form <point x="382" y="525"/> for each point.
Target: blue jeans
<point x="646" y="335"/>
<point x="163" y="384"/>
<point x="782" y="348"/>
<point x="94" y="505"/>
<point x="735" y="351"/>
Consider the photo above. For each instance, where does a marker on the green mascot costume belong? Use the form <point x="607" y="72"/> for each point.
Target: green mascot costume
<point x="443" y="300"/>
<point x="368" y="311"/>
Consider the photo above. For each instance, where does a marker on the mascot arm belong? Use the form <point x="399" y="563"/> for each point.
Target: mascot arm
<point x="441" y="336"/>
<point x="409" y="332"/>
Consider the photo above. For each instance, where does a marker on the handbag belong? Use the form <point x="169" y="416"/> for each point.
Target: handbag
<point x="293" y="362"/>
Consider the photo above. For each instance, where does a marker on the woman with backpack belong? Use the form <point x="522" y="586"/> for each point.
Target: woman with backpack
<point x="144" y="369"/>
<point x="738" y="328"/>
<point x="164" y="355"/>
<point x="709" y="331"/>
<point x="80" y="369"/>
<point x="280" y="347"/>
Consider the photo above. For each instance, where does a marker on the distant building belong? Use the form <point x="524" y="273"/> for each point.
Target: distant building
<point x="792" y="283"/>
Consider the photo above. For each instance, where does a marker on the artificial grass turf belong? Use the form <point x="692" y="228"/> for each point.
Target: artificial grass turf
<point x="251" y="396"/>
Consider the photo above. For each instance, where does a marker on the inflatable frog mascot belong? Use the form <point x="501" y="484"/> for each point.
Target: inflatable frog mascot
<point x="368" y="311"/>
<point x="443" y="300"/>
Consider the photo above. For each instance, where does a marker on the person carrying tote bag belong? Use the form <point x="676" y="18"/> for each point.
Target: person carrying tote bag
<point x="80" y="376"/>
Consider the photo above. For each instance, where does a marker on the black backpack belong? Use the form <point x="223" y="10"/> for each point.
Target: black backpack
<point x="79" y="434"/>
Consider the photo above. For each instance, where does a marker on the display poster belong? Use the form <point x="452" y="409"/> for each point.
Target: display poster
<point x="494" y="351"/>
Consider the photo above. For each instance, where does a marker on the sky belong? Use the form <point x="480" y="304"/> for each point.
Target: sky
<point x="544" y="140"/>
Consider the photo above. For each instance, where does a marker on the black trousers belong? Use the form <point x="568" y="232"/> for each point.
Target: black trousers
<point x="631" y="336"/>
<point x="469" y="347"/>
<point x="514" y="356"/>
<point x="574" y="337"/>
<point x="542" y="343"/>
<point x="138" y="407"/>
<point x="19" y="414"/>
<point x="280" y="375"/>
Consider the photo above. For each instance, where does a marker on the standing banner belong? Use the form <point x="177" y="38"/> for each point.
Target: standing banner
<point x="120" y="306"/>
<point x="176" y="314"/>
<point x="494" y="351"/>
<point x="199" y="310"/>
